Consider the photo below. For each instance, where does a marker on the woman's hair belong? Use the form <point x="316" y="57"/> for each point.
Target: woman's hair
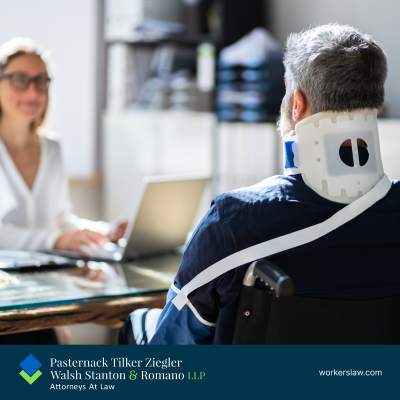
<point x="15" y="48"/>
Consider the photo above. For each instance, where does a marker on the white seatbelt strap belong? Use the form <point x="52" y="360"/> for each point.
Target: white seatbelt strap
<point x="285" y="242"/>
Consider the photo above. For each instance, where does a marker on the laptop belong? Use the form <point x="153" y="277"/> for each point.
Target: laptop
<point x="161" y="219"/>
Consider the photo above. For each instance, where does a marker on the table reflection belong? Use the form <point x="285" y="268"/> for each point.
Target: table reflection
<point x="88" y="281"/>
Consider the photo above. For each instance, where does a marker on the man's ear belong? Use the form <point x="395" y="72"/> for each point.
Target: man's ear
<point x="300" y="108"/>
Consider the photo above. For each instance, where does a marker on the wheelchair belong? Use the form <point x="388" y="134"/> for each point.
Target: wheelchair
<point x="277" y="316"/>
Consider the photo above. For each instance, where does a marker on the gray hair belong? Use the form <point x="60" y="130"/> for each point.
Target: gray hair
<point x="336" y="68"/>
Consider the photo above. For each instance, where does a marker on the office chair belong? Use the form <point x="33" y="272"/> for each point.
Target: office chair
<point x="276" y="316"/>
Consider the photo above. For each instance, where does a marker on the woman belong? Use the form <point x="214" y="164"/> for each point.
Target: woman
<point x="35" y="210"/>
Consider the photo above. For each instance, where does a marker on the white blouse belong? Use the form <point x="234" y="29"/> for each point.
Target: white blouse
<point x="34" y="219"/>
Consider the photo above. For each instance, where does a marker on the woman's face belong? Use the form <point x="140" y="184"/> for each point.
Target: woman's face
<point x="28" y="104"/>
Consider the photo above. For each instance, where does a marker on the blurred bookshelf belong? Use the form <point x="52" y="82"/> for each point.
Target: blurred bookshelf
<point x="157" y="121"/>
<point x="163" y="113"/>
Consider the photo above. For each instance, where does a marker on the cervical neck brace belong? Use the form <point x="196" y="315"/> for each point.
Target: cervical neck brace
<point x="313" y="151"/>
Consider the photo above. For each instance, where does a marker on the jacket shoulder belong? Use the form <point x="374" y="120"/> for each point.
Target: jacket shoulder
<point x="275" y="189"/>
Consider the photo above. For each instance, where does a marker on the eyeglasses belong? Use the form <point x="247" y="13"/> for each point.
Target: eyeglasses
<point x="21" y="81"/>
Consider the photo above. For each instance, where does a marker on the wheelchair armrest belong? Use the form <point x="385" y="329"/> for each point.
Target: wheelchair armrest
<point x="273" y="276"/>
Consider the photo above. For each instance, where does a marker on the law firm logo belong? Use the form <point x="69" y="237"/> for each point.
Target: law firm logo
<point x="30" y="369"/>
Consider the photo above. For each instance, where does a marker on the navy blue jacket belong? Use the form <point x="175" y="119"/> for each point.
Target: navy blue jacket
<point x="356" y="261"/>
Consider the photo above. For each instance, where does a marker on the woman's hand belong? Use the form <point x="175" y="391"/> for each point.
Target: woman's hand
<point x="74" y="240"/>
<point x="118" y="232"/>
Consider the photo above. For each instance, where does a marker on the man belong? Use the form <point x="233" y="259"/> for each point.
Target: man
<point x="330" y="68"/>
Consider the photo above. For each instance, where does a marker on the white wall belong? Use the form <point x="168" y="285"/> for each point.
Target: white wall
<point x="378" y="18"/>
<point x="139" y="143"/>
<point x="68" y="29"/>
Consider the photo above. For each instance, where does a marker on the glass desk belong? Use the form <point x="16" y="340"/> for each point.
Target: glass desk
<point x="91" y="292"/>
